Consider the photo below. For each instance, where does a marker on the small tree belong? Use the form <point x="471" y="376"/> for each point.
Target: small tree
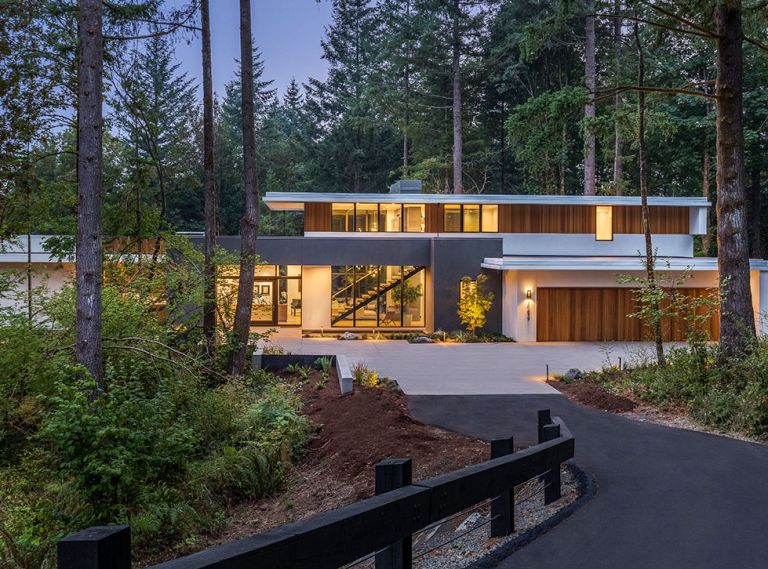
<point x="474" y="302"/>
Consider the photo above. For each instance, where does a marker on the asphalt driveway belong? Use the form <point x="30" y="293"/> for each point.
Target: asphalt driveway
<point x="667" y="498"/>
<point x="467" y="369"/>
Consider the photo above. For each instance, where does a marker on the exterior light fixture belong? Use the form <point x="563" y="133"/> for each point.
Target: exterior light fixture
<point x="528" y="297"/>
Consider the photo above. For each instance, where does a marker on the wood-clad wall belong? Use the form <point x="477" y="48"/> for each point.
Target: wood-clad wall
<point x="535" y="218"/>
<point x="538" y="218"/>
<point x="602" y="315"/>
<point x="317" y="216"/>
<point x="433" y="218"/>
<point x="664" y="220"/>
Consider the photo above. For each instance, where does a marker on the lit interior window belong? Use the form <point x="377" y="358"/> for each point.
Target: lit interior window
<point x="604" y="223"/>
<point x="490" y="218"/>
<point x="471" y="218"/>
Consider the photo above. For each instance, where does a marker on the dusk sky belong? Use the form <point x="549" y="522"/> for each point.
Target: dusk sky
<point x="288" y="33"/>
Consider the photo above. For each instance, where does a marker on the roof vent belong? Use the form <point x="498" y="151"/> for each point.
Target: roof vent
<point x="406" y="187"/>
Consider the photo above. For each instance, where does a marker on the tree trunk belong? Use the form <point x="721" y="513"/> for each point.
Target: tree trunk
<point x="756" y="248"/>
<point x="209" y="185"/>
<point x="88" y="269"/>
<point x="457" y="143"/>
<point x="649" y="253"/>
<point x="706" y="239"/>
<point x="406" y="94"/>
<point x="618" y="167"/>
<point x="737" y="319"/>
<point x="590" y="71"/>
<point x="249" y="225"/>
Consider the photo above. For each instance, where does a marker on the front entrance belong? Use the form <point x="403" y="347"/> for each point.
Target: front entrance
<point x="602" y="315"/>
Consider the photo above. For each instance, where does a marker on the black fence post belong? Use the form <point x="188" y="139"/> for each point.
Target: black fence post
<point x="545" y="418"/>
<point x="503" y="506"/>
<point x="552" y="478"/>
<point x="391" y="474"/>
<point x="99" y="547"/>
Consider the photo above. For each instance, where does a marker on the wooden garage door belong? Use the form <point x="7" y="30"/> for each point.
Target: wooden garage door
<point x="601" y="315"/>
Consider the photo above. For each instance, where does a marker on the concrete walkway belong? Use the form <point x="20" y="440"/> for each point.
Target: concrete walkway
<point x="465" y="369"/>
<point x="666" y="499"/>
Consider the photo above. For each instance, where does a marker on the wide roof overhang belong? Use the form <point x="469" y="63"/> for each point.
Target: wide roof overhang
<point x="294" y="201"/>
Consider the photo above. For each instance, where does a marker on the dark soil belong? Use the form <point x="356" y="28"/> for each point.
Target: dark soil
<point x="356" y="432"/>
<point x="593" y="394"/>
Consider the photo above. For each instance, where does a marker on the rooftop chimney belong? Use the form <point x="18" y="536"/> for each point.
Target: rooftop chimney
<point x="406" y="187"/>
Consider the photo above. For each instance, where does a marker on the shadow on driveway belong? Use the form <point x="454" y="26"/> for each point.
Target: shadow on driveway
<point x="666" y="498"/>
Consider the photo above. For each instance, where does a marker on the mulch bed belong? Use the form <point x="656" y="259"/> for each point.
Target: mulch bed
<point x="593" y="394"/>
<point x="358" y="430"/>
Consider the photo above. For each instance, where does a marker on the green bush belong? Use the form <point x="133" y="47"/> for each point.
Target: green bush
<point x="166" y="448"/>
<point x="732" y="397"/>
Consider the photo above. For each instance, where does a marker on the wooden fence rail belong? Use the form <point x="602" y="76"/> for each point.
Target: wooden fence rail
<point x="383" y="523"/>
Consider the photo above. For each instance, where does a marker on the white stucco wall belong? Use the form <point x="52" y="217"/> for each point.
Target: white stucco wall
<point x="584" y="244"/>
<point x="316" y="297"/>
<point x="515" y="321"/>
<point x="46" y="278"/>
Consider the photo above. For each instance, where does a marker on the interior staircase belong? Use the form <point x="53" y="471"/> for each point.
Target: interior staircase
<point x="350" y="308"/>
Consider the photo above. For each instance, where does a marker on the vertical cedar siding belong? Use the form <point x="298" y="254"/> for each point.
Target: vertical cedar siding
<point x="602" y="315"/>
<point x="317" y="216"/>
<point x="434" y="218"/>
<point x="536" y="218"/>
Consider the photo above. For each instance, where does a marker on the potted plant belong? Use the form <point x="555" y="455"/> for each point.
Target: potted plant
<point x="407" y="295"/>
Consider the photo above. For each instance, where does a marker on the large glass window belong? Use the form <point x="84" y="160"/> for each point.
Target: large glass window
<point x="471" y="219"/>
<point x="366" y="217"/>
<point x="490" y="218"/>
<point x="391" y="217"/>
<point x="413" y="218"/>
<point x="452" y="218"/>
<point x="343" y="217"/>
<point x="371" y="217"/>
<point x="371" y="296"/>
<point x="276" y="294"/>
<point x="604" y="223"/>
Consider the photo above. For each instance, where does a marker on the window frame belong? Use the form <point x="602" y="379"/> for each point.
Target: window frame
<point x="353" y="316"/>
<point x="480" y="220"/>
<point x="609" y="209"/>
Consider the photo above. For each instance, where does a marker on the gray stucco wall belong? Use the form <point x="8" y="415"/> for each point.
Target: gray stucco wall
<point x="335" y="250"/>
<point x="449" y="259"/>
<point x="454" y="258"/>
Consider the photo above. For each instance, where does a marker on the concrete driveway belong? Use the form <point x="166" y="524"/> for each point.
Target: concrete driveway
<point x="467" y="369"/>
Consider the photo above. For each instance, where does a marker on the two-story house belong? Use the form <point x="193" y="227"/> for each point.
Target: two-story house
<point x="395" y="260"/>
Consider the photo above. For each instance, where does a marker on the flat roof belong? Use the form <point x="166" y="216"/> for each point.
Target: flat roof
<point x="542" y="263"/>
<point x="294" y="201"/>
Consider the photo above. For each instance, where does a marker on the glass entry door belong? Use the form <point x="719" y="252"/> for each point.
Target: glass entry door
<point x="264" y="302"/>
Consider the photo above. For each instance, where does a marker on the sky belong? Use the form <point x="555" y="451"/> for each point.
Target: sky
<point x="287" y="32"/>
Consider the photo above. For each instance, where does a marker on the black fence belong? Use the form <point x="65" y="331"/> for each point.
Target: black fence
<point x="378" y="528"/>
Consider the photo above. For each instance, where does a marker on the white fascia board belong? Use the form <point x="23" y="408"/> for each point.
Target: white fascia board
<point x="607" y="264"/>
<point x="294" y="201"/>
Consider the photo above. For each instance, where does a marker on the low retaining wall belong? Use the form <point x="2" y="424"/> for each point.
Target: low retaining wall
<point x="276" y="362"/>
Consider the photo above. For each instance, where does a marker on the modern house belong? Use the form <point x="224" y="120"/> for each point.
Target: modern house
<point x="394" y="261"/>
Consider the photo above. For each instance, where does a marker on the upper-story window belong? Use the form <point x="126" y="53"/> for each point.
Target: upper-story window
<point x="604" y="223"/>
<point x="371" y="217"/>
<point x="343" y="217"/>
<point x="366" y="217"/>
<point x="470" y="218"/>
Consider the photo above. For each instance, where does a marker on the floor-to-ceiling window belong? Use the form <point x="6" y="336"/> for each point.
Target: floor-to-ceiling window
<point x="276" y="294"/>
<point x="371" y="296"/>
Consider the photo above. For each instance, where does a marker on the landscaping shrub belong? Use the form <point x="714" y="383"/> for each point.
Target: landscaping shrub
<point x="732" y="397"/>
<point x="365" y="376"/>
<point x="169" y="444"/>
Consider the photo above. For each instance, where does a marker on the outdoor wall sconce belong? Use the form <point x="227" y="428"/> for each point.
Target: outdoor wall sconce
<point x="528" y="296"/>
